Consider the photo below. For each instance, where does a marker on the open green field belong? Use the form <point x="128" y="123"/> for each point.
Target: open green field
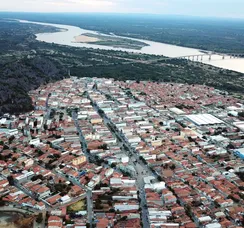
<point x="78" y="206"/>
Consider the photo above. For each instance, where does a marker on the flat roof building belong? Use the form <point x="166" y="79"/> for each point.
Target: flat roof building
<point x="204" y="119"/>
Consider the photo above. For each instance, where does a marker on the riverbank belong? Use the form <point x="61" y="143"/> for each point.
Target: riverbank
<point x="111" y="41"/>
<point x="66" y="37"/>
<point x="85" y="39"/>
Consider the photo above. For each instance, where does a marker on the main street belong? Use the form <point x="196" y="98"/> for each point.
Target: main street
<point x="89" y="206"/>
<point x="141" y="169"/>
<point x="90" y="159"/>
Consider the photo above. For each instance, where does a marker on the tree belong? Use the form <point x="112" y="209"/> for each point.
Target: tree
<point x="188" y="211"/>
<point x="11" y="139"/>
<point x="5" y="147"/>
<point x="40" y="152"/>
<point x="2" y="157"/>
<point x="57" y="156"/>
<point x="39" y="218"/>
<point x="98" y="204"/>
<point x="241" y="188"/>
<point x="123" y="218"/>
<point x="2" y="202"/>
<point x="104" y="147"/>
<point x="110" y="203"/>
<point x="45" y="127"/>
<point x="60" y="187"/>
<point x="241" y="114"/>
<point x="160" y="178"/>
<point x="10" y="180"/>
<point x="34" y="178"/>
<point x="40" y="162"/>
<point x="35" y="123"/>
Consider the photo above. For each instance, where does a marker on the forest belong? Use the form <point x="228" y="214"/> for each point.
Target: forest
<point x="219" y="35"/>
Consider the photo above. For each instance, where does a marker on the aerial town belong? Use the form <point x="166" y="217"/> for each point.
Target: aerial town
<point x="98" y="152"/>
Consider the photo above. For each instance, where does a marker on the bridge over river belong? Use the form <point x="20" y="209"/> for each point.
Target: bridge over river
<point x="203" y="57"/>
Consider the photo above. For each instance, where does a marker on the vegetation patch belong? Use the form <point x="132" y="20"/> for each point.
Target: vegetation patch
<point x="78" y="206"/>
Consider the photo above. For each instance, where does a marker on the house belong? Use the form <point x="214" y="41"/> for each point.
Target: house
<point x="239" y="152"/>
<point x="65" y="199"/>
<point x="128" y="206"/>
<point x="79" y="160"/>
<point x="55" y="222"/>
<point x="96" y="120"/>
<point x="43" y="192"/>
<point x="133" y="139"/>
<point x="28" y="162"/>
<point x="170" y="199"/>
<point x="40" y="206"/>
<point x="4" y="183"/>
<point x="213" y="225"/>
<point x="76" y="191"/>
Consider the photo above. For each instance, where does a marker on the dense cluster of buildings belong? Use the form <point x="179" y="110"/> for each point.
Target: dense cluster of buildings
<point x="135" y="153"/>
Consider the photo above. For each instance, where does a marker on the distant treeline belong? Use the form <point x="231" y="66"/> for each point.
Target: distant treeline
<point x="25" y="64"/>
<point x="18" y="73"/>
<point x="220" y="35"/>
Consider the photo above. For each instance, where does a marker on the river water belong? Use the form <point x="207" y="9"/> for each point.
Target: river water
<point x="67" y="33"/>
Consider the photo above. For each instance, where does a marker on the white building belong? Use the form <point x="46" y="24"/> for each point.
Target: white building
<point x="213" y="225"/>
<point x="133" y="139"/>
<point x="65" y="199"/>
<point x="125" y="206"/>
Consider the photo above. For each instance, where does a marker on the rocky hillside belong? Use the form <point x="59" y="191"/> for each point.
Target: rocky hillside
<point x="21" y="68"/>
<point x="19" y="77"/>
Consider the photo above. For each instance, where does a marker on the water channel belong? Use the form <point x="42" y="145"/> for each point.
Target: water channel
<point x="67" y="34"/>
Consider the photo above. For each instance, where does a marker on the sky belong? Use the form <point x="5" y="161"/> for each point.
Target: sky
<point x="208" y="8"/>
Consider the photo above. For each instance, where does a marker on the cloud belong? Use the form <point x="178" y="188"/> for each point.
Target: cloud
<point x="218" y="8"/>
<point x="59" y="5"/>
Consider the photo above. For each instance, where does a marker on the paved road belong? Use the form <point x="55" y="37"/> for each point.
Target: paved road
<point x="90" y="158"/>
<point x="141" y="169"/>
<point x="89" y="207"/>
<point x="23" y="189"/>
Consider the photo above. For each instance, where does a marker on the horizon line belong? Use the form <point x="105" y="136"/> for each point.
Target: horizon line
<point x="125" y="13"/>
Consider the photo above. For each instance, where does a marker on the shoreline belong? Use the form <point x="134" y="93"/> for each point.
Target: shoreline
<point x="85" y="39"/>
<point x="110" y="41"/>
<point x="153" y="48"/>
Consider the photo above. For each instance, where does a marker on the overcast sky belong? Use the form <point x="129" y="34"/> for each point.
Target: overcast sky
<point x="216" y="8"/>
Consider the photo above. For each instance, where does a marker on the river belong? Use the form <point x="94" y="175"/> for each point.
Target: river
<point x="67" y="33"/>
